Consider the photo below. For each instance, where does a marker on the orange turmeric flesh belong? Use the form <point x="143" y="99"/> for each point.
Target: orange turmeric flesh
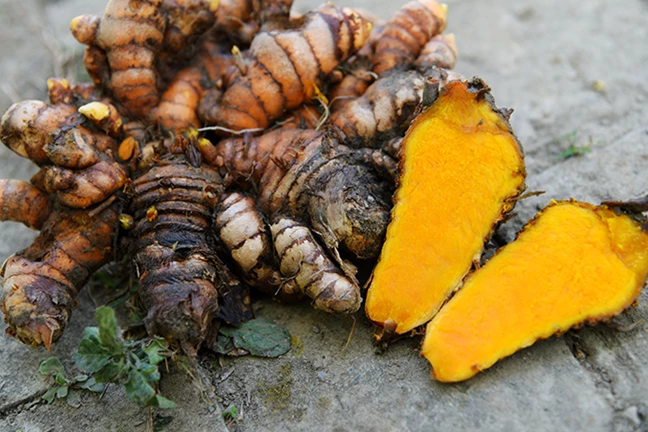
<point x="462" y="170"/>
<point x="574" y="263"/>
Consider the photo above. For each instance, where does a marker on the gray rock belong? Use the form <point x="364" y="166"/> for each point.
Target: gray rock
<point x="541" y="58"/>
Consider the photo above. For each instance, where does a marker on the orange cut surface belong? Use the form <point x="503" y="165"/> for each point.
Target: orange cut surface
<point x="573" y="263"/>
<point x="462" y="170"/>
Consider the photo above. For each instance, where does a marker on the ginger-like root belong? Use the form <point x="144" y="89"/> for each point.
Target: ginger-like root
<point x="234" y="18"/>
<point x="353" y="85"/>
<point x="32" y="128"/>
<point x="384" y="111"/>
<point x="304" y="261"/>
<point x="272" y="14"/>
<point x="172" y="205"/>
<point x="76" y="162"/>
<point x="305" y="117"/>
<point x="312" y="177"/>
<point x="104" y="116"/>
<point x="462" y="171"/>
<point x="41" y="282"/>
<point x="574" y="263"/>
<point x="186" y="21"/>
<point x="439" y="52"/>
<point x="81" y="188"/>
<point x="179" y="102"/>
<point x="130" y="35"/>
<point x="241" y="228"/>
<point x="405" y="34"/>
<point x="284" y="68"/>
<point x="22" y="202"/>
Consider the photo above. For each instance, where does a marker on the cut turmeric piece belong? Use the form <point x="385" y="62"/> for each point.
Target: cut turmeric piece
<point x="462" y="171"/>
<point x="574" y="263"/>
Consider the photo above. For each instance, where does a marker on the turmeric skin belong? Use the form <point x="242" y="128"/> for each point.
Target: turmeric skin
<point x="187" y="20"/>
<point x="41" y="283"/>
<point x="30" y="127"/>
<point x="172" y="248"/>
<point x="301" y="258"/>
<point x="384" y="111"/>
<point x="240" y="226"/>
<point x="574" y="263"/>
<point x="75" y="161"/>
<point x="130" y="33"/>
<point x="22" y="202"/>
<point x="351" y="207"/>
<point x="234" y="19"/>
<point x="178" y="105"/>
<point x="286" y="166"/>
<point x="283" y="69"/>
<point x="440" y="52"/>
<point x="405" y="34"/>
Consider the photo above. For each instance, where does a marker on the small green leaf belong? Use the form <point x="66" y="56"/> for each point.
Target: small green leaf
<point x="262" y="338"/>
<point x="92" y="385"/>
<point x="51" y="366"/>
<point x="108" y="329"/>
<point x="227" y="331"/>
<point x="62" y="392"/>
<point x="111" y="372"/>
<point x="139" y="390"/>
<point x="154" y="349"/>
<point x="61" y="380"/>
<point x="230" y="413"/>
<point x="150" y="372"/>
<point x="92" y="356"/>
<point x="50" y="394"/>
<point x="81" y="378"/>
<point x="163" y="402"/>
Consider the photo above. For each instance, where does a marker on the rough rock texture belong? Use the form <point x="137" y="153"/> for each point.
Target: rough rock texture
<point x="541" y="59"/>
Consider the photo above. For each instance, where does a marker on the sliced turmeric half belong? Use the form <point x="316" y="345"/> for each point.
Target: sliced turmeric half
<point x="462" y="170"/>
<point x="574" y="263"/>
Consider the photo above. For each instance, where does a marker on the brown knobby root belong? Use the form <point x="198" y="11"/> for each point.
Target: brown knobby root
<point x="41" y="282"/>
<point x="574" y="263"/>
<point x="272" y="14"/>
<point x="22" y="202"/>
<point x="31" y="128"/>
<point x="234" y="18"/>
<point x="76" y="162"/>
<point x="462" y="170"/>
<point x="240" y="226"/>
<point x="383" y="112"/>
<point x="284" y="68"/>
<point x="303" y="260"/>
<point x="406" y="33"/>
<point x="440" y="52"/>
<point x="123" y="48"/>
<point x="172" y="205"/>
<point x="104" y="116"/>
<point x="187" y="20"/>
<point x="305" y="117"/>
<point x="310" y="176"/>
<point x="351" y="87"/>
<point x="178" y="105"/>
<point x="356" y="74"/>
<point x="158" y="64"/>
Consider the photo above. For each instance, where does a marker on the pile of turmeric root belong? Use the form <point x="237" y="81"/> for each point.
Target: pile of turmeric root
<point x="228" y="145"/>
<point x="220" y="146"/>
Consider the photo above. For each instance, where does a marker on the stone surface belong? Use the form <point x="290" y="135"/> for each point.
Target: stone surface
<point x="540" y="58"/>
